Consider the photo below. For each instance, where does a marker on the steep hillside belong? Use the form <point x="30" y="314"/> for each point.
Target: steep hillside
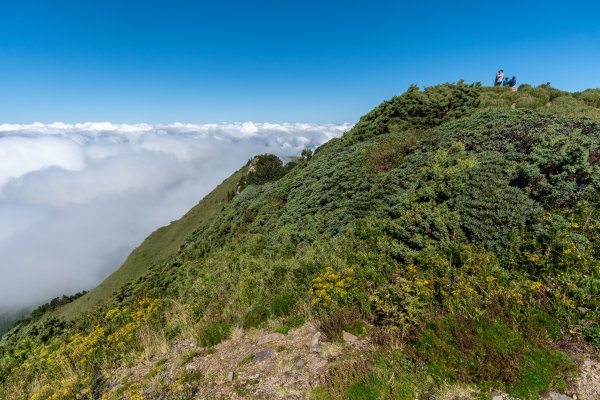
<point x="450" y="239"/>
<point x="157" y="247"/>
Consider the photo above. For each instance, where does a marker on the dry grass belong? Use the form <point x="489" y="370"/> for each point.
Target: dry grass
<point x="392" y="338"/>
<point x="151" y="342"/>
<point x="456" y="391"/>
<point x="343" y="319"/>
<point x="180" y="315"/>
<point x="343" y="374"/>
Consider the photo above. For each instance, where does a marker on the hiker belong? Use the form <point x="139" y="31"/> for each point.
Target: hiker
<point x="505" y="81"/>
<point x="499" y="78"/>
<point x="512" y="82"/>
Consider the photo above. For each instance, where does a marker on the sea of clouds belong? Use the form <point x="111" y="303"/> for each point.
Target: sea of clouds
<point x="75" y="199"/>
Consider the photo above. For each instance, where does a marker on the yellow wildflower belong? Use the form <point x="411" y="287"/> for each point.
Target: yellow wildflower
<point x="329" y="285"/>
<point x="533" y="285"/>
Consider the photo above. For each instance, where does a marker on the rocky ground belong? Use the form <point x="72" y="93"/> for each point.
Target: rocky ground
<point x="257" y="364"/>
<point x="260" y="364"/>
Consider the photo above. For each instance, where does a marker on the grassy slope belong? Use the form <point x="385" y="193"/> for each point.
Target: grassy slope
<point x="159" y="245"/>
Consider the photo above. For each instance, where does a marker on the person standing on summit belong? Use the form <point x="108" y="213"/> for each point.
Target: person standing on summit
<point x="499" y="78"/>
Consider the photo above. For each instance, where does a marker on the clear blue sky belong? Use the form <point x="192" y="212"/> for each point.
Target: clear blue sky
<point x="308" y="61"/>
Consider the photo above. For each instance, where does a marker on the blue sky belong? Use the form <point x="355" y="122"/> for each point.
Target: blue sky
<point x="277" y="61"/>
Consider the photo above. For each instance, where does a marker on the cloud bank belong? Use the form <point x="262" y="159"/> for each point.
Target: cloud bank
<point x="75" y="199"/>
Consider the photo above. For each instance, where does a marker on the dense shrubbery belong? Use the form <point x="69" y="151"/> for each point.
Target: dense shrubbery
<point x="262" y="169"/>
<point x="416" y="109"/>
<point x="468" y="238"/>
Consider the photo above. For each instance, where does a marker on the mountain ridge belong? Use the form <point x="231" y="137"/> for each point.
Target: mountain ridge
<point x="446" y="222"/>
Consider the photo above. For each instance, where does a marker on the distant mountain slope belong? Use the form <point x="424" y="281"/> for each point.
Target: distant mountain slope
<point x="7" y="320"/>
<point x="162" y="243"/>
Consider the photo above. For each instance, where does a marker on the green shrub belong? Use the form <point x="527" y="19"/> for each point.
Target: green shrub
<point x="213" y="334"/>
<point x="592" y="334"/>
<point x="172" y="330"/>
<point x="283" y="329"/>
<point x="419" y="109"/>
<point x="282" y="304"/>
<point x="387" y="153"/>
<point x="258" y="315"/>
<point x="262" y="169"/>
<point x="590" y="97"/>
<point x="191" y="377"/>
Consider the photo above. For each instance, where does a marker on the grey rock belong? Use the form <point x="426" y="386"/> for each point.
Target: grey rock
<point x="558" y="396"/>
<point x="300" y="363"/>
<point x="231" y="376"/>
<point x="315" y="342"/>
<point x="496" y="395"/>
<point x="263" y="355"/>
<point x="348" y="337"/>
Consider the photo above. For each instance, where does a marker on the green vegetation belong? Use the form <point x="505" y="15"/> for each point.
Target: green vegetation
<point x="213" y="334"/>
<point x="457" y="227"/>
<point x="262" y="169"/>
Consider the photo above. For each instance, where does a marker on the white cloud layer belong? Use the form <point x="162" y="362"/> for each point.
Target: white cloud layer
<point x="75" y="199"/>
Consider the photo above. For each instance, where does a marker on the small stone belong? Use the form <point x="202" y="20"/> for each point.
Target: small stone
<point x="574" y="397"/>
<point x="583" y="310"/>
<point x="558" y="396"/>
<point x="348" y="337"/>
<point x="230" y="376"/>
<point x="300" y="363"/>
<point x="498" y="395"/>
<point x="263" y="355"/>
<point x="314" y="342"/>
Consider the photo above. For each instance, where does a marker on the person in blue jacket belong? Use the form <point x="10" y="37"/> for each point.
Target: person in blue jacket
<point x="509" y="82"/>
